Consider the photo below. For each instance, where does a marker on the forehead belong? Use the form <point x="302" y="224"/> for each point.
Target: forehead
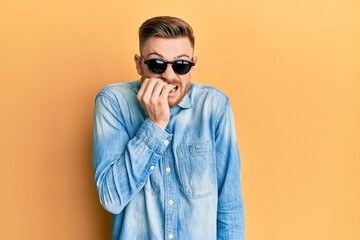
<point x="168" y="48"/>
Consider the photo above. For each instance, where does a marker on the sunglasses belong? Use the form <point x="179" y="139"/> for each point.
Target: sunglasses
<point x="159" y="66"/>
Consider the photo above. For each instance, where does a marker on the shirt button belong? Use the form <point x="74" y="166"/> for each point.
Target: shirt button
<point x="171" y="202"/>
<point x="168" y="170"/>
<point x="152" y="167"/>
<point x="171" y="236"/>
<point x="166" y="142"/>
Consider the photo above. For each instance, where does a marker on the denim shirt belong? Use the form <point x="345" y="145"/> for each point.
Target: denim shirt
<point x="178" y="183"/>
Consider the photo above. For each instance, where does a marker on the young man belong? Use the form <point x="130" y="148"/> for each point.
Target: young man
<point x="165" y="153"/>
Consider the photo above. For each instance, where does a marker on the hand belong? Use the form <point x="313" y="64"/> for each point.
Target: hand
<point x="153" y="97"/>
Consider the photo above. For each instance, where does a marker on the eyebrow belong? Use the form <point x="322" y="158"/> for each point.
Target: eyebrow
<point x="161" y="56"/>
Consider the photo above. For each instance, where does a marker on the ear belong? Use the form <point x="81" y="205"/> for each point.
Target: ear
<point x="194" y="60"/>
<point x="138" y="64"/>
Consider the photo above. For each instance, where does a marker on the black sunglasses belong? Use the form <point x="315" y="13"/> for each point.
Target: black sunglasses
<point x="159" y="66"/>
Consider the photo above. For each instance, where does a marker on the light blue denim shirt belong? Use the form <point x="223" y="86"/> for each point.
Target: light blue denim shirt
<point x="181" y="183"/>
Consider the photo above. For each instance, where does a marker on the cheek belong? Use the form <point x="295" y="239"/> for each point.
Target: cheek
<point x="148" y="74"/>
<point x="185" y="82"/>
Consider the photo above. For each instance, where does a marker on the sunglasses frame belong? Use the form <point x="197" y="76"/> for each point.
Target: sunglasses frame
<point x="165" y="63"/>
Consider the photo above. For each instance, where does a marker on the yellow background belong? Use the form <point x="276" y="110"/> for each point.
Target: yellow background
<point x="292" y="72"/>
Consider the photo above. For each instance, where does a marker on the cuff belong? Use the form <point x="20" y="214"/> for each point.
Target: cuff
<point x="155" y="138"/>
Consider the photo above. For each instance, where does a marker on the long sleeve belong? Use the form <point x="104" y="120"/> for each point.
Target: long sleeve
<point x="230" y="212"/>
<point x="122" y="163"/>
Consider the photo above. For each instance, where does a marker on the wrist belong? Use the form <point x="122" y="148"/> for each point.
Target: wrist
<point x="161" y="124"/>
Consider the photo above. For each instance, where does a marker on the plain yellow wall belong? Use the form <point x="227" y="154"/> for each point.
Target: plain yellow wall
<point x="290" y="68"/>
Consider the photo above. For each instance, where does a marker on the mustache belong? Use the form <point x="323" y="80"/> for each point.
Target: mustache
<point x="171" y="81"/>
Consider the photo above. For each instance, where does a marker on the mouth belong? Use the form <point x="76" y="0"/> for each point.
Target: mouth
<point x="175" y="88"/>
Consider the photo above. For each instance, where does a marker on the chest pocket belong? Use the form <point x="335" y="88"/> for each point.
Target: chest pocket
<point x="197" y="169"/>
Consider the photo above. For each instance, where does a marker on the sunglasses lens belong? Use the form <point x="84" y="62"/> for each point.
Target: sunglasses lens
<point x="182" y="67"/>
<point x="156" y="66"/>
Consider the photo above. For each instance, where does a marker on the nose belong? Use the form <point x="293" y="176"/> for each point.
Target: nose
<point x="169" y="73"/>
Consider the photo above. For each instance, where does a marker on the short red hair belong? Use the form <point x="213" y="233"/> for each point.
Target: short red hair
<point x="165" y="27"/>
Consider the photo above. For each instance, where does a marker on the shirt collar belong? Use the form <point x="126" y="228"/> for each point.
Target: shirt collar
<point x="186" y="102"/>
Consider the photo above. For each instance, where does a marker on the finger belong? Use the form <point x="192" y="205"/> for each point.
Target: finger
<point x="158" y="88"/>
<point x="148" y="89"/>
<point x="142" y="88"/>
<point x="165" y="92"/>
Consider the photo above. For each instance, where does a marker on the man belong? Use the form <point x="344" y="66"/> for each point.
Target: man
<point x="165" y="153"/>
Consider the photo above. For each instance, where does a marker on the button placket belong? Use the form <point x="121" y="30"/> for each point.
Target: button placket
<point x="170" y="188"/>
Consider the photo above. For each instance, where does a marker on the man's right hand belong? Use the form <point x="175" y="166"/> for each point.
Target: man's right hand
<point x="153" y="97"/>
